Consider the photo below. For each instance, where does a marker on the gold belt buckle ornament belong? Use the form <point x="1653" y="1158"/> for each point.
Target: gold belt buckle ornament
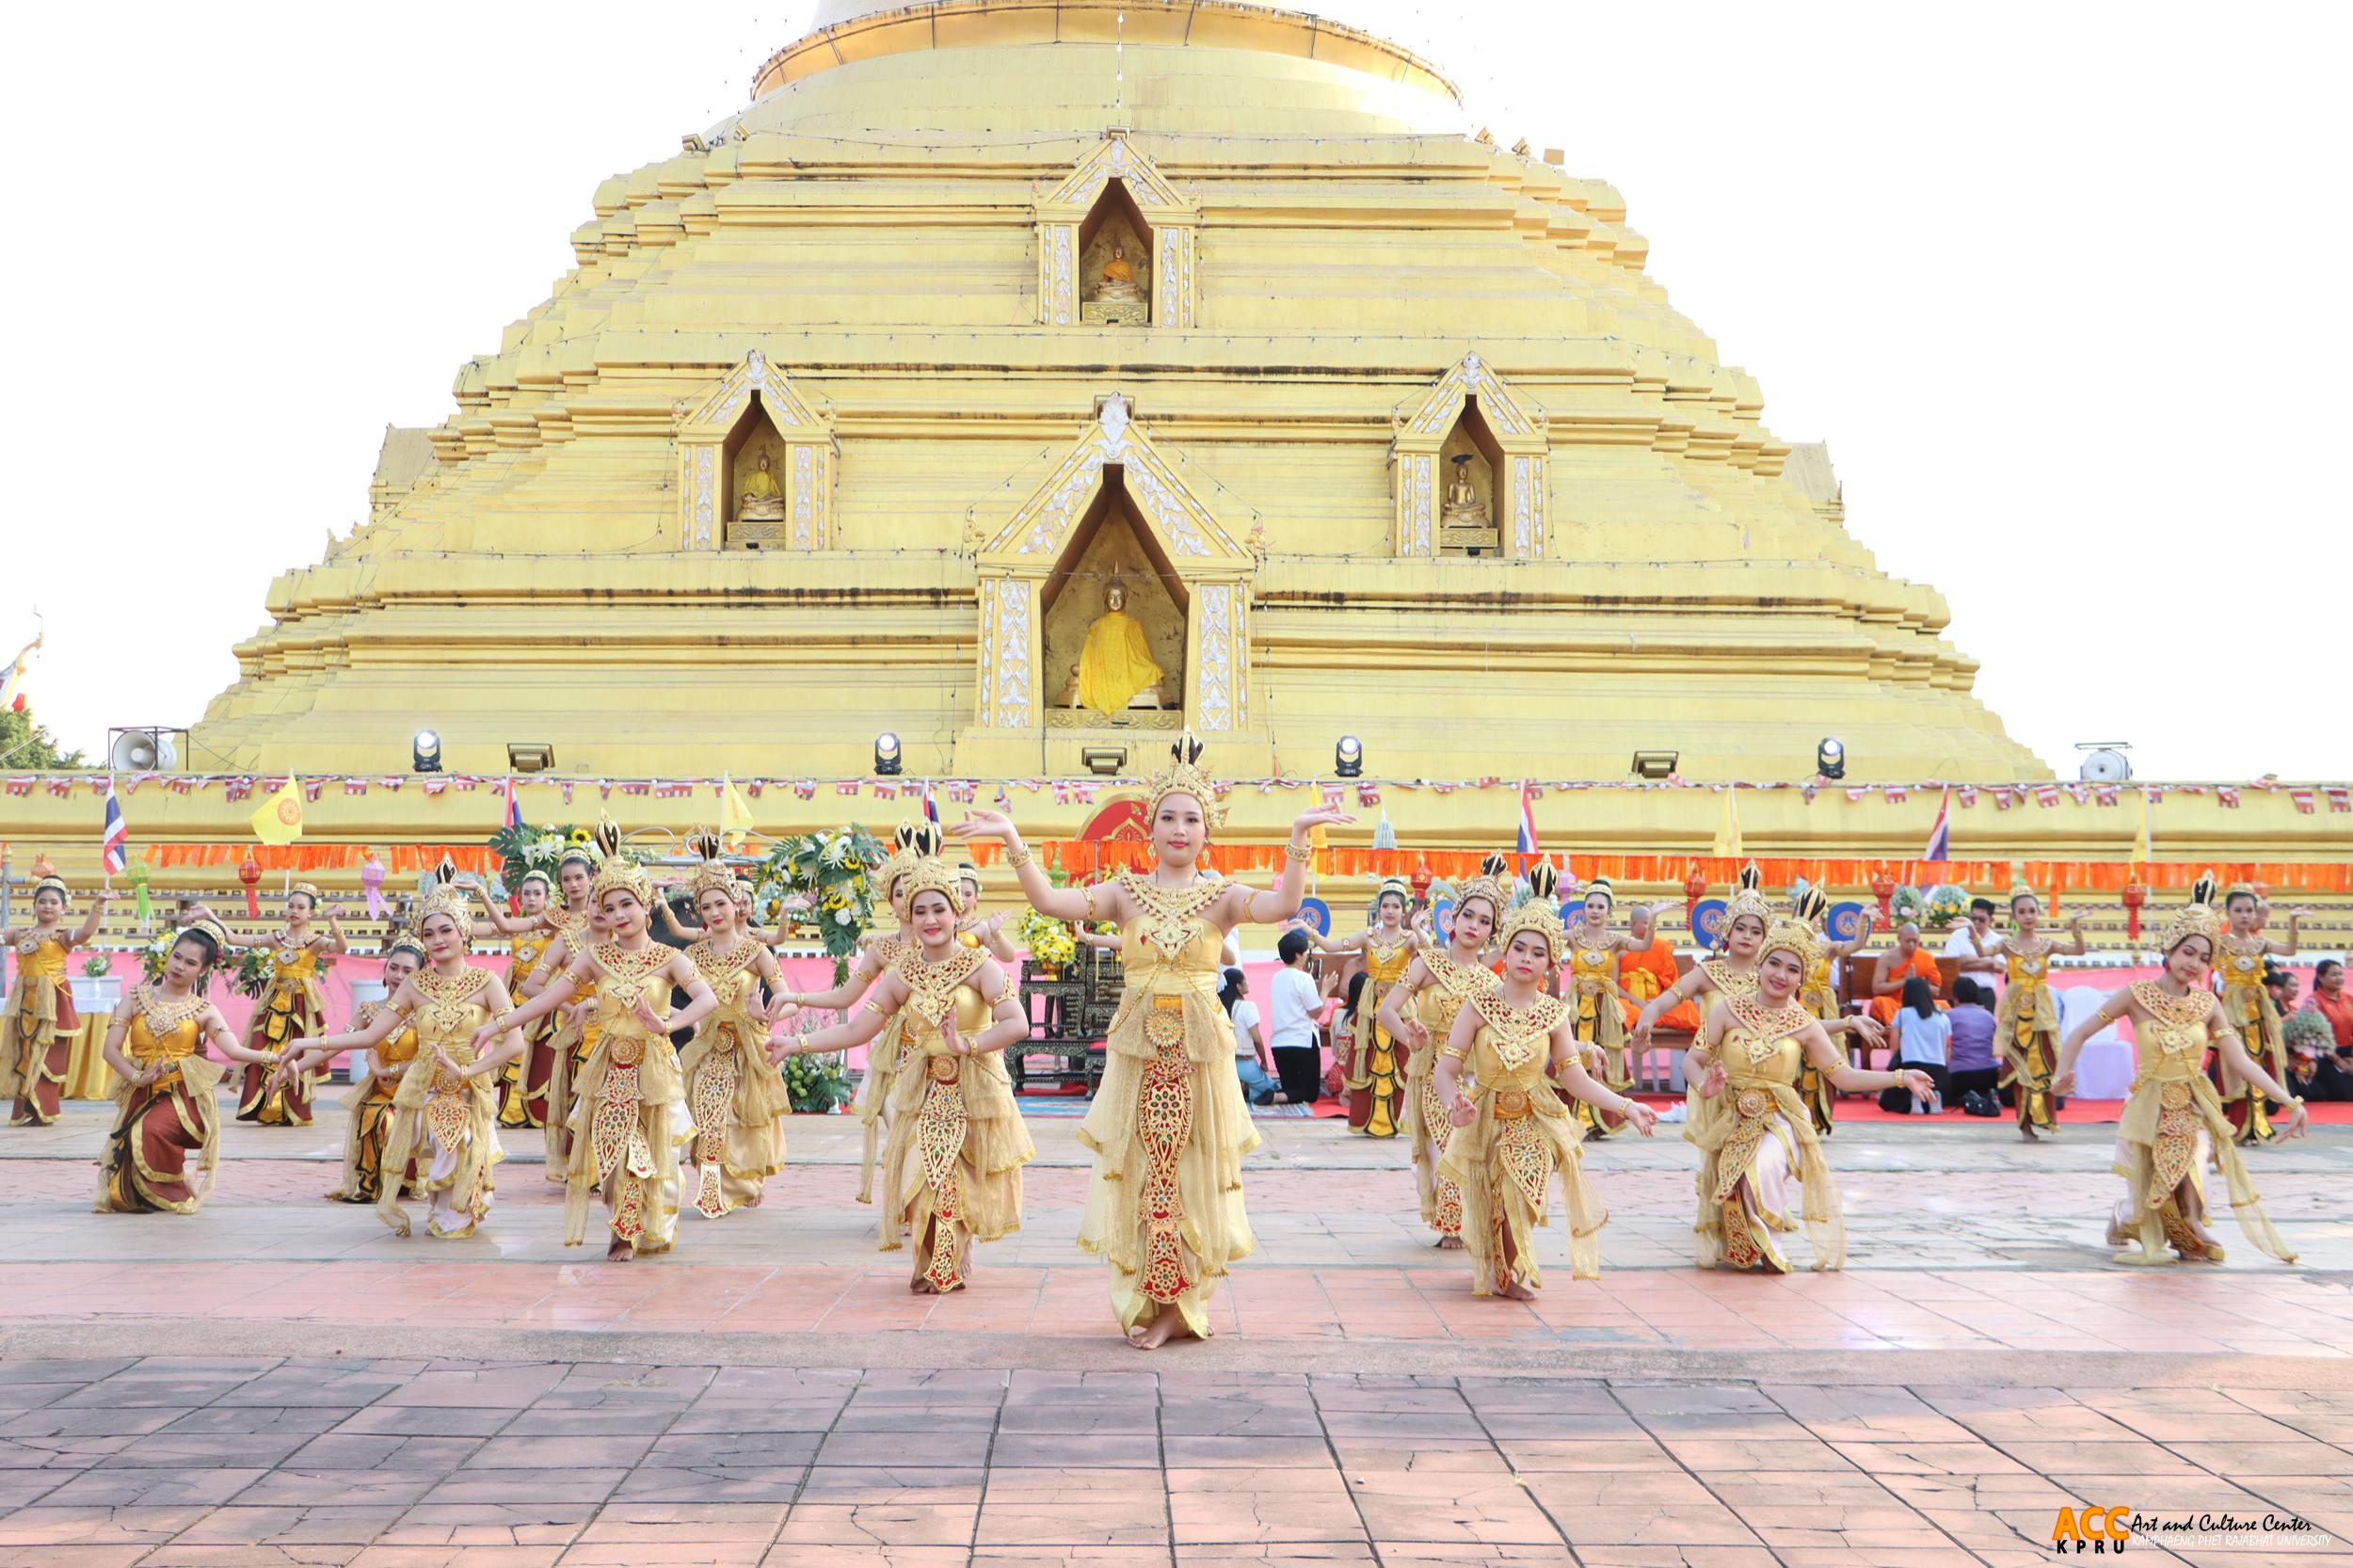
<point x="2175" y="1096"/>
<point x="1511" y="1104"/>
<point x="628" y="1051"/>
<point x="1164" y="1025"/>
<point x="944" y="1069"/>
<point x="1752" y="1103"/>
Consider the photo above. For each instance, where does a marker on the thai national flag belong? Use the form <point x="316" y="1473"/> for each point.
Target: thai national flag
<point x="931" y="807"/>
<point x="1941" y="835"/>
<point x="514" y="807"/>
<point x="1528" y="823"/>
<point x="116" y="848"/>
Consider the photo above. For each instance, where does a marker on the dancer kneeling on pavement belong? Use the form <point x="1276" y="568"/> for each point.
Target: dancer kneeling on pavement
<point x="951" y="1170"/>
<point x="1511" y="1132"/>
<point x="1754" y="1153"/>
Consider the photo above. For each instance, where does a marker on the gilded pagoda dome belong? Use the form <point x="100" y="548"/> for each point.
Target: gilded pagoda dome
<point x="1026" y="377"/>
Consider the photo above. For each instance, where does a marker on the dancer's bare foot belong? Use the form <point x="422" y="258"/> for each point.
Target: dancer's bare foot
<point x="2027" y="1134"/>
<point x="922" y="1287"/>
<point x="1450" y="1244"/>
<point x="1518" y="1290"/>
<point x="1163" y="1328"/>
<point x="619" y="1252"/>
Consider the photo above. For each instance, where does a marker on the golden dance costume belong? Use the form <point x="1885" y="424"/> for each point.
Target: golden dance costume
<point x="370" y="1104"/>
<point x="569" y="1045"/>
<point x="873" y="1102"/>
<point x="2027" y="1030"/>
<point x="523" y="1083"/>
<point x="160" y="1127"/>
<point x="290" y="1011"/>
<point x="1375" y="1082"/>
<point x="444" y="1122"/>
<point x="736" y="1096"/>
<point x="957" y="1144"/>
<point x="43" y="1008"/>
<point x="1504" y="1162"/>
<point x="1599" y="1021"/>
<point x="1761" y="1147"/>
<point x="1819" y="996"/>
<point x="1168" y="1128"/>
<point x="628" y="1117"/>
<point x="2249" y="1010"/>
<point x="1436" y="1006"/>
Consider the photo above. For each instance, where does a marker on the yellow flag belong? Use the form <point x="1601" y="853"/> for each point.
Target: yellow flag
<point x="735" y="812"/>
<point x="279" y="820"/>
<point x="2140" y="840"/>
<point x="1728" y="827"/>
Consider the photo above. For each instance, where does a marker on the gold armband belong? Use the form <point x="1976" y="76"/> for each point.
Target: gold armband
<point x="877" y="1008"/>
<point x="1450" y="1051"/>
<point x="1018" y="858"/>
<point x="1089" y="892"/>
<point x="1297" y="854"/>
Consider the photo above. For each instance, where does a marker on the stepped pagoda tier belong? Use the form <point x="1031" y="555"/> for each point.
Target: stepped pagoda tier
<point x="853" y="414"/>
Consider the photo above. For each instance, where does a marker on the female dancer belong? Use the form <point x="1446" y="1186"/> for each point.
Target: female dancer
<point x="1386" y="947"/>
<point x="973" y="930"/>
<point x="523" y="1083"/>
<point x="736" y="1095"/>
<point x="2246" y="1006"/>
<point x="42" y="1005"/>
<point x="1747" y="917"/>
<point x="1435" y="985"/>
<point x="444" y="1116"/>
<point x="166" y="1109"/>
<point x="1596" y="1016"/>
<point x="292" y="1010"/>
<point x="628" y="1119"/>
<point x="370" y="1101"/>
<point x="568" y="1036"/>
<point x="2026" y="1030"/>
<point x="952" y="1176"/>
<point x="912" y="841"/>
<point x="1168" y="1128"/>
<point x="1752" y="1149"/>
<point x="2173" y="1124"/>
<point x="1821" y="1000"/>
<point x="1511" y="1134"/>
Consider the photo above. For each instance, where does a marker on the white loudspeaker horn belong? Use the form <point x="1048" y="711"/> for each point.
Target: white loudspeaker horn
<point x="2105" y="767"/>
<point x="143" y="751"/>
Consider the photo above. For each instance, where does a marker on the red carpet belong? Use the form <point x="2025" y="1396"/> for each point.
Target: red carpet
<point x="1852" y="1109"/>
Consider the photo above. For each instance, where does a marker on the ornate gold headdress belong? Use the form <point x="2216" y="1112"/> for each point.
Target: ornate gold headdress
<point x="1538" y="912"/>
<point x="1493" y="882"/>
<point x="1397" y="885"/>
<point x="309" y="890"/>
<point x="213" y="931"/>
<point x="535" y="875"/>
<point x="1183" y="777"/>
<point x="2022" y="891"/>
<point x="713" y="871"/>
<point x="618" y="872"/>
<point x="585" y="856"/>
<point x="407" y="944"/>
<point x="1812" y="907"/>
<point x="53" y="883"/>
<point x="2243" y="889"/>
<point x="1748" y="898"/>
<point x="1601" y="884"/>
<point x="927" y="871"/>
<point x="896" y="863"/>
<point x="2198" y="917"/>
<point x="447" y="898"/>
<point x="1792" y="934"/>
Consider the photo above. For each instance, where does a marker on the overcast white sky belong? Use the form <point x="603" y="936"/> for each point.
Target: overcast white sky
<point x="2062" y="285"/>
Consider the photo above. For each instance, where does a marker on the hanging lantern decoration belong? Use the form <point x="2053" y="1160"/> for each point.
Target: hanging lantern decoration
<point x="1884" y="888"/>
<point x="372" y="884"/>
<point x="1694" y="886"/>
<point x="2134" y="896"/>
<point x="1421" y="879"/>
<point x="139" y="873"/>
<point x="250" y="872"/>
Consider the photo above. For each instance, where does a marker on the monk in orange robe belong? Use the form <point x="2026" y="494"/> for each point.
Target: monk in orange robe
<point x="1650" y="971"/>
<point x="1898" y="964"/>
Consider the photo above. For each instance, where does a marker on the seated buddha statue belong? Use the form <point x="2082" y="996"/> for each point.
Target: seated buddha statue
<point x="1464" y="510"/>
<point x="1116" y="667"/>
<point x="762" y="498"/>
<point x="1118" y="285"/>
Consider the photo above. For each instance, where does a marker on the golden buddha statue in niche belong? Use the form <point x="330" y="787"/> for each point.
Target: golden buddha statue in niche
<point x="1464" y="510"/>
<point x="761" y="499"/>
<point x="1119" y="286"/>
<point x="1115" y="668"/>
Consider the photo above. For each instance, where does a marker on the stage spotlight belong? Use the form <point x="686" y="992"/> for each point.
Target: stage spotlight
<point x="530" y="756"/>
<point x="1107" y="760"/>
<point x="1654" y="765"/>
<point x="424" y="752"/>
<point x="1830" y="757"/>
<point x="1347" y="757"/>
<point x="886" y="763"/>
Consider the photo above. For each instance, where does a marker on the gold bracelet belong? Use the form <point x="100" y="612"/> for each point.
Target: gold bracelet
<point x="1018" y="858"/>
<point x="1298" y="854"/>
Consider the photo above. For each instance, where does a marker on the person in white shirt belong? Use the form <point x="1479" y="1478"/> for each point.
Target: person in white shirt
<point x="1291" y="1008"/>
<point x="1252" y="1065"/>
<point x="1960" y="944"/>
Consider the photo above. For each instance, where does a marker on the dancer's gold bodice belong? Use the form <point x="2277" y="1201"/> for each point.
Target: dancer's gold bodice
<point x="2026" y="968"/>
<point x="293" y="965"/>
<point x="1728" y="981"/>
<point x="2240" y="962"/>
<point x="1755" y="1056"/>
<point x="526" y="953"/>
<point x="1170" y="947"/>
<point x="41" y="958"/>
<point x="1594" y="971"/>
<point x="734" y="979"/>
<point x="2171" y="1045"/>
<point x="179" y="1039"/>
<point x="1438" y="1004"/>
<point x="394" y="1050"/>
<point x="1384" y="965"/>
<point x="627" y="977"/>
<point x="1511" y="1052"/>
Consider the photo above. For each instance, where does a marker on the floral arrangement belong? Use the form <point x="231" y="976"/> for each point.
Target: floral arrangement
<point x="2308" y="1033"/>
<point x="826" y="874"/>
<point x="158" y="952"/>
<point x="818" y="1083"/>
<point x="95" y="965"/>
<point x="253" y="974"/>
<point x="527" y="848"/>
<point x="1944" y="904"/>
<point x="1907" y="906"/>
<point x="1050" y="943"/>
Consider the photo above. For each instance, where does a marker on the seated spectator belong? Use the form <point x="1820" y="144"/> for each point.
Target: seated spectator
<point x="1292" y="1005"/>
<point x="1252" y="1065"/>
<point x="2282" y="986"/>
<point x="1906" y="961"/>
<point x="2313" y="1071"/>
<point x="1972" y="1065"/>
<point x="1924" y="1039"/>
<point x="2330" y="1001"/>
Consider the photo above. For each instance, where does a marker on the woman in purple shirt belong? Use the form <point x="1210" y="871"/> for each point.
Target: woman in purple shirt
<point x="1972" y="1061"/>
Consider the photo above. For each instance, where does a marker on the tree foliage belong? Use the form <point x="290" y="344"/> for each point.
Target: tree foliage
<point x="26" y="748"/>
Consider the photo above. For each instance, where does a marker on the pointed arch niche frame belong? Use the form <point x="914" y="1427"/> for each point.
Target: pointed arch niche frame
<point x="1521" y="481"/>
<point x="1019" y="562"/>
<point x="1175" y="222"/>
<point x="803" y="423"/>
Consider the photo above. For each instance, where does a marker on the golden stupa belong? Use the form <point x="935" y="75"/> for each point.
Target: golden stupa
<point x="851" y="414"/>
